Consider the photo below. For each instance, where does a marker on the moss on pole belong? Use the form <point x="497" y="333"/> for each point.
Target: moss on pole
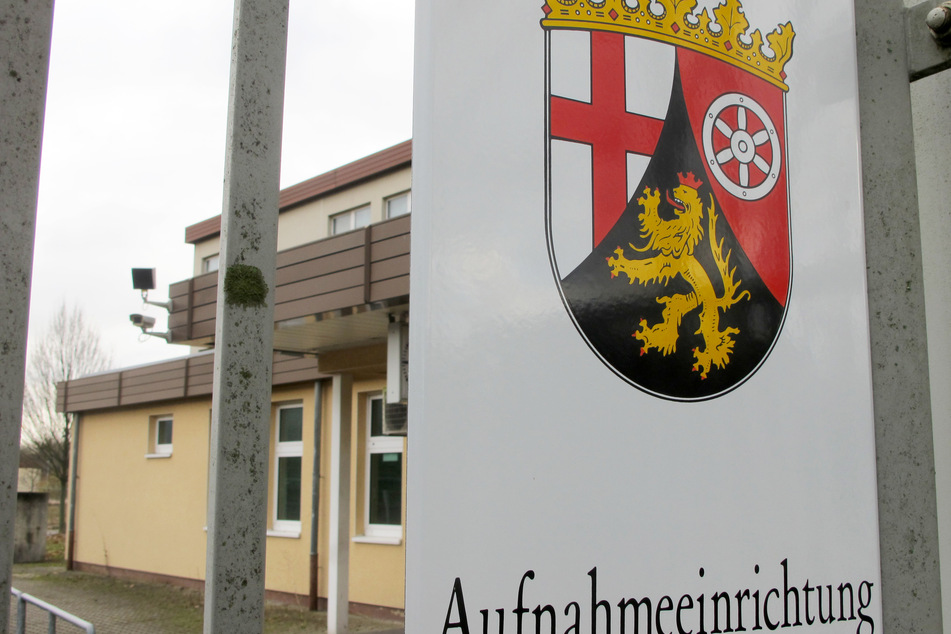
<point x="245" y="286"/>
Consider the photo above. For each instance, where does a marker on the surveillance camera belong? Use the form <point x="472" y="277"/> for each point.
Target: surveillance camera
<point x="142" y="321"/>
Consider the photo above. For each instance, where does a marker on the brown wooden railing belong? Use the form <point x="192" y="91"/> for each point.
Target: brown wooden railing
<point x="365" y="266"/>
<point x="360" y="269"/>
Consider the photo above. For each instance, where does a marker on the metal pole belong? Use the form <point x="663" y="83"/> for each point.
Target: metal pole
<point x="26" y="29"/>
<point x="73" y="475"/>
<point x="21" y="615"/>
<point x="244" y="330"/>
<point x="911" y="587"/>
<point x="315" y="495"/>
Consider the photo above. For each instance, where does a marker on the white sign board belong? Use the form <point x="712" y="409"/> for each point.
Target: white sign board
<point x="640" y="383"/>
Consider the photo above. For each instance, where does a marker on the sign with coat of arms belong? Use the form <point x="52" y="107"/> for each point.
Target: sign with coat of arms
<point x="640" y="368"/>
<point x="668" y="207"/>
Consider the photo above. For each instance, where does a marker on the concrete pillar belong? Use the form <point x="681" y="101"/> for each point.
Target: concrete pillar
<point x="338" y="573"/>
<point x="244" y="331"/>
<point x="25" y="32"/>
<point x="911" y="587"/>
<point x="29" y="544"/>
<point x="933" y="147"/>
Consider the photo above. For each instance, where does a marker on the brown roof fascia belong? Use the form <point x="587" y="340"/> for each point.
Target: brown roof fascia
<point x="137" y="385"/>
<point x="345" y="176"/>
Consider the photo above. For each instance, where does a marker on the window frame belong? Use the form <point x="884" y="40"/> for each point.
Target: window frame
<point x="351" y="215"/>
<point x="408" y="194"/>
<point x="210" y="260"/>
<point x="382" y="444"/>
<point x="156" y="448"/>
<point x="286" y="449"/>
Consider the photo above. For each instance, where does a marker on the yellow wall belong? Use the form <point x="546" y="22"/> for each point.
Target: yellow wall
<point x="287" y="568"/>
<point x="143" y="513"/>
<point x="204" y="249"/>
<point x="377" y="571"/>
<point x="149" y="514"/>
<point x="311" y="221"/>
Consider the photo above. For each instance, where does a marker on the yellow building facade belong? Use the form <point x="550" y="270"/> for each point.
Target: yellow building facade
<point x="142" y="443"/>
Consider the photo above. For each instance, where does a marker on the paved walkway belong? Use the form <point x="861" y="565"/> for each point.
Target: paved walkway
<point x="119" y="607"/>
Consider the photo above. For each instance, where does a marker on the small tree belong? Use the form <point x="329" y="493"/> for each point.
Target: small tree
<point x="69" y="349"/>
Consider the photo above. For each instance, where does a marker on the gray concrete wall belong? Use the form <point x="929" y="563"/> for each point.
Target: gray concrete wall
<point x="29" y="534"/>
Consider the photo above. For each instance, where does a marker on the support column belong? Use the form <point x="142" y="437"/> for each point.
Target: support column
<point x="244" y="330"/>
<point x="75" y="439"/>
<point x="911" y="587"/>
<point x="26" y="29"/>
<point x="315" y="495"/>
<point x="338" y="573"/>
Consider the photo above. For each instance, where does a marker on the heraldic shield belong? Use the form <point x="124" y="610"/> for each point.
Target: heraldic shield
<point x="667" y="200"/>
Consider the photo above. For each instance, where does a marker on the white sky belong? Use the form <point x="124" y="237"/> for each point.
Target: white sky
<point x="134" y="138"/>
<point x="135" y="128"/>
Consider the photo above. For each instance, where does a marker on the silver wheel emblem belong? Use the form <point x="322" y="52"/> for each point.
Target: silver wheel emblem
<point x="747" y="159"/>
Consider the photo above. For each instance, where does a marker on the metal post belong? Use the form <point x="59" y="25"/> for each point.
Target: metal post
<point x="73" y="475"/>
<point x="338" y="573"/>
<point x="315" y="494"/>
<point x="911" y="587"/>
<point x="21" y="615"/>
<point x="26" y="29"/>
<point x="244" y="331"/>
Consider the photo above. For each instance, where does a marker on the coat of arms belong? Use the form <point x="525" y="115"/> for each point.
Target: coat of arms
<point x="667" y="200"/>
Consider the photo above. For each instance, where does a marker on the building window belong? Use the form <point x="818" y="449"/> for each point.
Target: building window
<point x="209" y="263"/>
<point x="287" y="467"/>
<point x="350" y="220"/>
<point x="160" y="436"/>
<point x="398" y="205"/>
<point x="383" y="516"/>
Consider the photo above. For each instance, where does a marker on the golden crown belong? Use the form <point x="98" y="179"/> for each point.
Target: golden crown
<point x="725" y="36"/>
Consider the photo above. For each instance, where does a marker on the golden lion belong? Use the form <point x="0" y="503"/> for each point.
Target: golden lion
<point x="675" y="240"/>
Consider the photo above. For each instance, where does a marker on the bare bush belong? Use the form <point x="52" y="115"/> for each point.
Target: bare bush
<point x="69" y="349"/>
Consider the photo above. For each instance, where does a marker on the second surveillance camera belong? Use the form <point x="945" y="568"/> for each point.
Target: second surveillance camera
<point x="142" y="321"/>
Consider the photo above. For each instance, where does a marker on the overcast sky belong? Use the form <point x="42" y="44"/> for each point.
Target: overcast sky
<point x="134" y="139"/>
